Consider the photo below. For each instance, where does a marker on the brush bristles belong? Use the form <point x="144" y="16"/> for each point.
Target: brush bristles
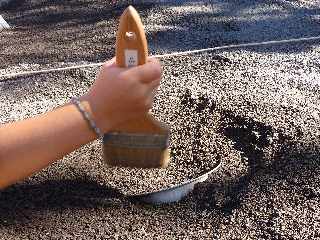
<point x="136" y="157"/>
<point x="136" y="150"/>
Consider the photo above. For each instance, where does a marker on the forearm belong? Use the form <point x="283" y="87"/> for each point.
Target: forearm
<point x="117" y="95"/>
<point x="30" y="145"/>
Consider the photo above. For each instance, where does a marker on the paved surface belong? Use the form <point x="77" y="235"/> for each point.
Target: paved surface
<point x="264" y="101"/>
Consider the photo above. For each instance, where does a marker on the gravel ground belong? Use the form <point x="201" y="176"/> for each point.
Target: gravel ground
<point x="260" y="105"/>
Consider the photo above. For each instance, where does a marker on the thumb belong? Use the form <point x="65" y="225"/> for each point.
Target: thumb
<point x="146" y="73"/>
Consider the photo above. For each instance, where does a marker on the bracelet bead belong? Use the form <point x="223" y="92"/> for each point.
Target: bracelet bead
<point x="76" y="101"/>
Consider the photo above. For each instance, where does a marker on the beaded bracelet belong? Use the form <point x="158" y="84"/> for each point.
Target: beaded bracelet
<point x="86" y="116"/>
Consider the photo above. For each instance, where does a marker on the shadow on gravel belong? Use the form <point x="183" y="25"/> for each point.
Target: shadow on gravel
<point x="44" y="14"/>
<point x="12" y="5"/>
<point x="19" y="202"/>
<point x="56" y="31"/>
<point x="270" y="154"/>
<point x="232" y="22"/>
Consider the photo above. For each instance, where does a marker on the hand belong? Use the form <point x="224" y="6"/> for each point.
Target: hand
<point x="121" y="94"/>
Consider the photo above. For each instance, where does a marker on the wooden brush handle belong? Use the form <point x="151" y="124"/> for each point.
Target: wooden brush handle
<point x="131" y="46"/>
<point x="132" y="50"/>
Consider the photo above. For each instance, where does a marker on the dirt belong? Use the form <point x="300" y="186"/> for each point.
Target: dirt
<point x="59" y="31"/>
<point x="257" y="109"/>
<point x="194" y="145"/>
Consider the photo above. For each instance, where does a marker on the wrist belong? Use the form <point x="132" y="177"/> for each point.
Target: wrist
<point x="95" y="114"/>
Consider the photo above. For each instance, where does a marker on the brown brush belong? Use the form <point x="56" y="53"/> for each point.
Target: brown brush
<point x="142" y="143"/>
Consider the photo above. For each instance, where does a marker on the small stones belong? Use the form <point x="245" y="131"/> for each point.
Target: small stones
<point x="196" y="92"/>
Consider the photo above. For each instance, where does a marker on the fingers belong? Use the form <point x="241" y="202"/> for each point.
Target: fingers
<point x="109" y="63"/>
<point x="143" y="80"/>
<point x="147" y="73"/>
<point x="150" y="93"/>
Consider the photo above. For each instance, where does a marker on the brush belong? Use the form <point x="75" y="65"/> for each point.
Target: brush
<point x="142" y="143"/>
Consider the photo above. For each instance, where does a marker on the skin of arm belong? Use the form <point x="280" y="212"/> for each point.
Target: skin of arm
<point x="117" y="95"/>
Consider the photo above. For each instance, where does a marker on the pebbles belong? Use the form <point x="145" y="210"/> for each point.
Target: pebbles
<point x="263" y="103"/>
<point x="209" y="107"/>
<point x="194" y="145"/>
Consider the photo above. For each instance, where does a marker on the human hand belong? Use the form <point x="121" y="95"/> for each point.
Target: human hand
<point x="121" y="94"/>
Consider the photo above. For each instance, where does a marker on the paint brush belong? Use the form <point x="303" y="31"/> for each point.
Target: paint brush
<point x="142" y="143"/>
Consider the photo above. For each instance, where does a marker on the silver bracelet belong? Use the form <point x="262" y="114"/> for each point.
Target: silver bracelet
<point x="86" y="116"/>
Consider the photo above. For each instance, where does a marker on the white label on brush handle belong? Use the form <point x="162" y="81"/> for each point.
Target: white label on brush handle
<point x="131" y="57"/>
